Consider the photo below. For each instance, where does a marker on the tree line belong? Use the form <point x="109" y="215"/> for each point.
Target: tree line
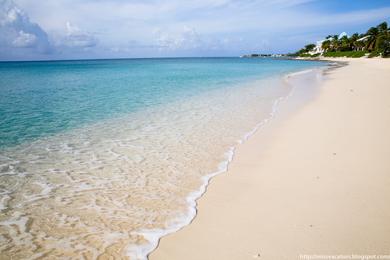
<point x="375" y="42"/>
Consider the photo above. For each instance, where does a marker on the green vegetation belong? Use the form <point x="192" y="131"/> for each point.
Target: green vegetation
<point x="375" y="42"/>
<point x="349" y="54"/>
<point x="304" y="52"/>
<point x="308" y="55"/>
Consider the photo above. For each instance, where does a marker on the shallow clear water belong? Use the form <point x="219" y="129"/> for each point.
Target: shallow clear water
<point x="41" y="98"/>
<point x="95" y="155"/>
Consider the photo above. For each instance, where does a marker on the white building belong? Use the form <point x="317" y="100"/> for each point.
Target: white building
<point x="318" y="48"/>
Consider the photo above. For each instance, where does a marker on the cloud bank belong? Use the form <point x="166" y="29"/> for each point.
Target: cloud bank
<point x="18" y="33"/>
<point x="23" y="39"/>
<point x="75" y="37"/>
<point x="68" y="29"/>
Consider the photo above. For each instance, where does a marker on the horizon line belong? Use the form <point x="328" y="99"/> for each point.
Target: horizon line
<point x="129" y="58"/>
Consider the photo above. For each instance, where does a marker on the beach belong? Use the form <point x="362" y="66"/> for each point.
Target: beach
<point x="125" y="166"/>
<point x="310" y="183"/>
<point x="194" y="130"/>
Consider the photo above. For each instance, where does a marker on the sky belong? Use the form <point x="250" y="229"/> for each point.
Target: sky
<point x="94" y="29"/>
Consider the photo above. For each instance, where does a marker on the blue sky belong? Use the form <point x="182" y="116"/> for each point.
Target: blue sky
<point x="79" y="29"/>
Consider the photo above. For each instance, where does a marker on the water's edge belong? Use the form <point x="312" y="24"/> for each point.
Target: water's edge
<point x="155" y="235"/>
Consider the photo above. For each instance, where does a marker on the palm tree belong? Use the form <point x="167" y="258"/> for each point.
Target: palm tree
<point x="382" y="28"/>
<point x="335" y="43"/>
<point x="345" y="44"/>
<point x="326" y="45"/>
<point x="353" y="41"/>
<point x="372" y="34"/>
<point x="382" y="43"/>
<point x="310" y="47"/>
<point x="376" y="40"/>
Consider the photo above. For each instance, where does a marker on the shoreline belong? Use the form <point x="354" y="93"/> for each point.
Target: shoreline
<point x="159" y="153"/>
<point x="193" y="238"/>
<point x="154" y="236"/>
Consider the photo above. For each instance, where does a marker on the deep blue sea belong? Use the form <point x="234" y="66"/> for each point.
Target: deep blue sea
<point x="112" y="154"/>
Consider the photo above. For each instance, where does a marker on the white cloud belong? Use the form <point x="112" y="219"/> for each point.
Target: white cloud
<point x="75" y="37"/>
<point x="17" y="31"/>
<point x="170" y="27"/>
<point x="24" y="40"/>
<point x="187" y="39"/>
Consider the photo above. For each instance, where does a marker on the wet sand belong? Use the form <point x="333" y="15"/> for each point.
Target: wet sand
<point x="312" y="182"/>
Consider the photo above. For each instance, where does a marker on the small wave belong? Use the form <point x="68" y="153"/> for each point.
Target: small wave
<point x="153" y="236"/>
<point x="111" y="184"/>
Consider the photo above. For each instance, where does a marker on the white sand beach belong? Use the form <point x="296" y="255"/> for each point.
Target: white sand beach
<point x="314" y="182"/>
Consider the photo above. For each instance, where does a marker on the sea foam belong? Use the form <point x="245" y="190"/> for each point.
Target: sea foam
<point x="120" y="183"/>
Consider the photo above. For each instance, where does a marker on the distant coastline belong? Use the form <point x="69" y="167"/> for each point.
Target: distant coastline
<point x="261" y="55"/>
<point x="373" y="43"/>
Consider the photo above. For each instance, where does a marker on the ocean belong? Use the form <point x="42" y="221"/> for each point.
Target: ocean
<point x="103" y="157"/>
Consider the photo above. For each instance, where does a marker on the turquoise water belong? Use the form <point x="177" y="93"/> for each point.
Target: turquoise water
<point x="102" y="158"/>
<point x="44" y="98"/>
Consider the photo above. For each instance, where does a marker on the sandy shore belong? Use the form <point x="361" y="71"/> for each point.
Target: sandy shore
<point x="314" y="182"/>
